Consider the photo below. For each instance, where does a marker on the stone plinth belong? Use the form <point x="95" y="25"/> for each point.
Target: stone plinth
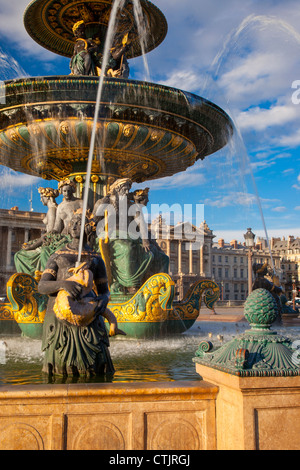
<point x="255" y="413"/>
<point x="145" y="416"/>
<point x="258" y="375"/>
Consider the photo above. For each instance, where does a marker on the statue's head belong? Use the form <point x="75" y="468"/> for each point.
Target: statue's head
<point x="76" y="222"/>
<point x="141" y="196"/>
<point x="121" y="186"/>
<point x="260" y="269"/>
<point x="48" y="193"/>
<point x="67" y="188"/>
<point x="79" y="29"/>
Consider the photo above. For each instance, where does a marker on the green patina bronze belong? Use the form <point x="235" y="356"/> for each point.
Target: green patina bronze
<point x="260" y="351"/>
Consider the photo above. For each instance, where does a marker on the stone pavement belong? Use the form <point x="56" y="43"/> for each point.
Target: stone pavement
<point x="236" y="314"/>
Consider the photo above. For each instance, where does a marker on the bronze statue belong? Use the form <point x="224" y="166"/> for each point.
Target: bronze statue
<point x="82" y="61"/>
<point x="128" y="251"/>
<point x="75" y="347"/>
<point x="66" y="208"/>
<point x="33" y="256"/>
<point x="48" y="198"/>
<point x="261" y="282"/>
<point x="87" y="57"/>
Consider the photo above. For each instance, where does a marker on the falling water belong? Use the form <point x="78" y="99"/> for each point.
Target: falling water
<point x="232" y="43"/>
<point x="117" y="5"/>
<point x="260" y="21"/>
<point x="9" y="67"/>
<point x="142" y="33"/>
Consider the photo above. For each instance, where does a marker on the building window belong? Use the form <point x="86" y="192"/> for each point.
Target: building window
<point x="235" y="273"/>
<point x="226" y="273"/>
<point x="242" y="274"/>
<point x="220" y="273"/>
<point x="220" y="259"/>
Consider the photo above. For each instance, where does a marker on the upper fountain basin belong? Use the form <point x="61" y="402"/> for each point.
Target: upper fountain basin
<point x="145" y="130"/>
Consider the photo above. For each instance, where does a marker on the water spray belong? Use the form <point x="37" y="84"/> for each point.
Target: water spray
<point x="117" y="5"/>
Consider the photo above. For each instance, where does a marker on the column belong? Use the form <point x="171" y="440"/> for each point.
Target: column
<point x="191" y="258"/>
<point x="26" y="237"/>
<point x="179" y="256"/>
<point x="9" y="247"/>
<point x="202" y="260"/>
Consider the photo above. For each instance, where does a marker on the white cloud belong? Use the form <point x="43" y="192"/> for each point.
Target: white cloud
<point x="188" y="178"/>
<point x="279" y="209"/>
<point x="259" y="119"/>
<point x="237" y="199"/>
<point x="11" y="181"/>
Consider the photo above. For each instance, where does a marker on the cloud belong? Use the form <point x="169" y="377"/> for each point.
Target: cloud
<point x="259" y="119"/>
<point x="188" y="178"/>
<point x="238" y="199"/>
<point x="279" y="209"/>
<point x="11" y="181"/>
<point x="297" y="186"/>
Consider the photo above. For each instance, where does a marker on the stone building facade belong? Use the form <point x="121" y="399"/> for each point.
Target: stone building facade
<point x="16" y="228"/>
<point x="192" y="251"/>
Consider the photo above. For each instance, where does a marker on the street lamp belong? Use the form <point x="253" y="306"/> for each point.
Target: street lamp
<point x="249" y="240"/>
<point x="294" y="292"/>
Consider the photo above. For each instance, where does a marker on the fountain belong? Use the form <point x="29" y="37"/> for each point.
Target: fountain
<point x="94" y="132"/>
<point x="143" y="131"/>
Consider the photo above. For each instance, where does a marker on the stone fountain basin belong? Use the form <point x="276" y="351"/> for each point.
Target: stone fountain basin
<point x="145" y="130"/>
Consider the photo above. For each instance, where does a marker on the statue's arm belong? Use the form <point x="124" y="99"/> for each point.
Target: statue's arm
<point x="49" y="285"/>
<point x="59" y="224"/>
<point x="101" y="282"/>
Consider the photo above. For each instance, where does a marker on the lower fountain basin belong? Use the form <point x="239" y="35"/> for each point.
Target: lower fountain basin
<point x="145" y="131"/>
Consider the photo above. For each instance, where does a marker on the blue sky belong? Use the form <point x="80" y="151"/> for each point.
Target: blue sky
<point x="243" y="56"/>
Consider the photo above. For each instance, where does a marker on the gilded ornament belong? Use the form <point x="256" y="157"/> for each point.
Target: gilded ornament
<point x="64" y="127"/>
<point x="128" y="130"/>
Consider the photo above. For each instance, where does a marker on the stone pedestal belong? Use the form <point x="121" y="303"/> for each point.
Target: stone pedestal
<point x="258" y="375"/>
<point x="139" y="416"/>
<point x="255" y="413"/>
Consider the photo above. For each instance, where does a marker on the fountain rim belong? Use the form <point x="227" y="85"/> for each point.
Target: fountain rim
<point x="63" y="50"/>
<point x="122" y="81"/>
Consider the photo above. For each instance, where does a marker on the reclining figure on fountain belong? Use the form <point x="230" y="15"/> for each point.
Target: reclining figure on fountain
<point x="33" y="256"/>
<point x="124" y="239"/>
